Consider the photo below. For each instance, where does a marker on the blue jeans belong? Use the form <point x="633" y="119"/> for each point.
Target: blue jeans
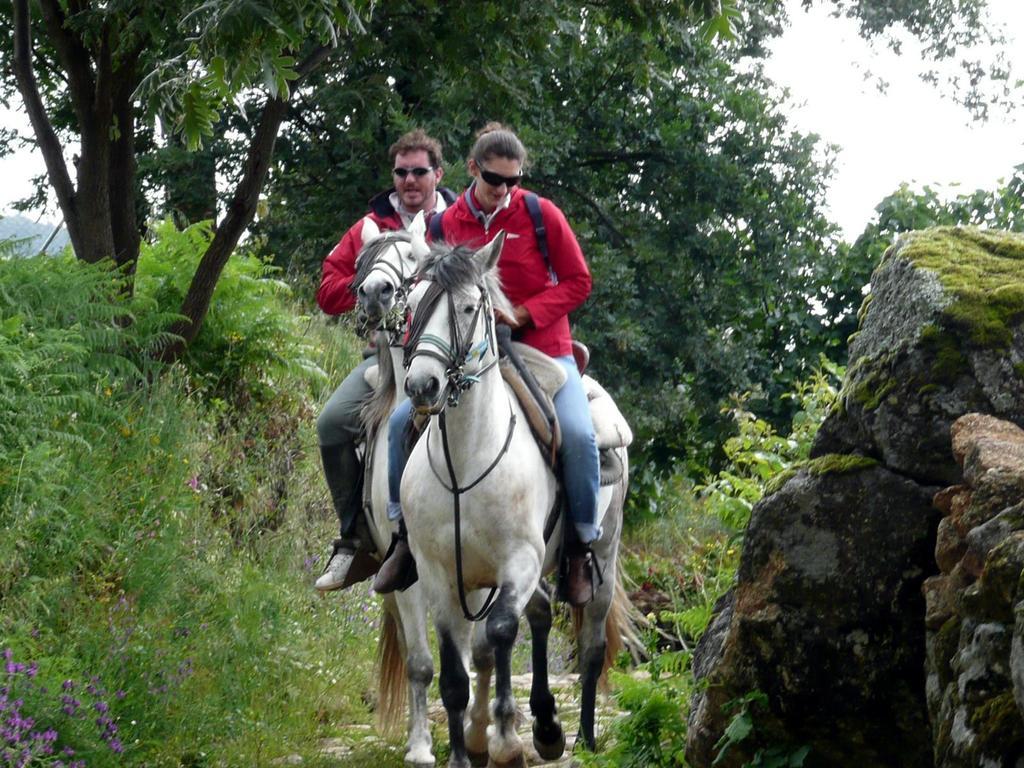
<point x="578" y="454"/>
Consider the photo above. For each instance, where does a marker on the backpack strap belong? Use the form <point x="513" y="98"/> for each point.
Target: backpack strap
<point x="533" y="206"/>
<point x="434" y="226"/>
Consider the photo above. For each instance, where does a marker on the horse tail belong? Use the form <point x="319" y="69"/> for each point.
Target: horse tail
<point x="391" y="677"/>
<point x="379" y="405"/>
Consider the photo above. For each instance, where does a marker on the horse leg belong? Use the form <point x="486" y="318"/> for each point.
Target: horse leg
<point x="504" y="746"/>
<point x="548" y="736"/>
<point x="454" y="683"/>
<point x="420" y="671"/>
<point x="479" y="713"/>
<point x="593" y="642"/>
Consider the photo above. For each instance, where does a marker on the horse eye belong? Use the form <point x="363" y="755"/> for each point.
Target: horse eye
<point x="468" y="309"/>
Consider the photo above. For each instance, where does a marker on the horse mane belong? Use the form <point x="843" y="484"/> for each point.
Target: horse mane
<point x="368" y="254"/>
<point x="377" y="409"/>
<point x="454" y="268"/>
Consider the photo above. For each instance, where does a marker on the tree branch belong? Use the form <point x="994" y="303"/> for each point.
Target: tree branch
<point x="620" y="239"/>
<point x="313" y="60"/>
<point x="73" y="56"/>
<point x="49" y="144"/>
<point x="239" y="215"/>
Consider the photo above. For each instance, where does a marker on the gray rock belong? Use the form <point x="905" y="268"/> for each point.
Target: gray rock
<point x="929" y="351"/>
<point x="827" y="622"/>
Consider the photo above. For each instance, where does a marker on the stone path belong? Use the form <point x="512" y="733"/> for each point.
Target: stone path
<point x="565" y="688"/>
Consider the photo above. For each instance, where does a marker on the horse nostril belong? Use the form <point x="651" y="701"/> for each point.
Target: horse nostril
<point x="422" y="390"/>
<point x="362" y="291"/>
<point x="386" y="291"/>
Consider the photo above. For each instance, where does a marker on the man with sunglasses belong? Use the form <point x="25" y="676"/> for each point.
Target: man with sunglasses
<point x="545" y="276"/>
<point x="416" y="169"/>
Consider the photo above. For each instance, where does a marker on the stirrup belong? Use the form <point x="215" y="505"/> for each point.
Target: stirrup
<point x="401" y="575"/>
<point x="577" y="586"/>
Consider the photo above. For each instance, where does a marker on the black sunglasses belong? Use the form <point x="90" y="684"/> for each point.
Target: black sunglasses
<point x="419" y="173"/>
<point x="496" y="180"/>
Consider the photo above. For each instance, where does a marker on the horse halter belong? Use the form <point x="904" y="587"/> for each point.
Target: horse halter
<point x="393" y="321"/>
<point x="459" y="352"/>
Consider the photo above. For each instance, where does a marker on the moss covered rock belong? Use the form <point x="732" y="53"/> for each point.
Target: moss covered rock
<point x="827" y="621"/>
<point x="943" y="336"/>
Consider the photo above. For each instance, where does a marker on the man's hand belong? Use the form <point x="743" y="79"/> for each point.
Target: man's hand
<point x="520" y="317"/>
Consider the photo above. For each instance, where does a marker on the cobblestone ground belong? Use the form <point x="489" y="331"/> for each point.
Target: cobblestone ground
<point x="354" y="741"/>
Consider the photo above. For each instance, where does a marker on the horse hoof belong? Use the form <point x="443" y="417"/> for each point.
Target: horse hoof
<point x="477" y="759"/>
<point x="419" y="764"/>
<point x="549" y="742"/>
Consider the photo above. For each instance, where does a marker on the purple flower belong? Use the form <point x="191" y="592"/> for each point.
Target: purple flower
<point x="67" y="685"/>
<point x="101" y="707"/>
<point x="8" y="654"/>
<point x="116" y="746"/>
<point x="120" y="694"/>
<point x="32" y="669"/>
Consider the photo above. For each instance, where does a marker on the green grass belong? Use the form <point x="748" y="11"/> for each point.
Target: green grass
<point x="161" y="529"/>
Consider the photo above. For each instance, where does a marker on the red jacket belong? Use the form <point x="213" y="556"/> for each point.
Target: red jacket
<point x="524" y="275"/>
<point x="335" y="294"/>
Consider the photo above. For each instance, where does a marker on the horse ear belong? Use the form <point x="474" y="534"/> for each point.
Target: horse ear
<point x="418" y="230"/>
<point x="488" y="255"/>
<point x="370" y="230"/>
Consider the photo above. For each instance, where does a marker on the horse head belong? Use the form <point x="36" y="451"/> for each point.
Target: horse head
<point x="452" y="340"/>
<point x="385" y="269"/>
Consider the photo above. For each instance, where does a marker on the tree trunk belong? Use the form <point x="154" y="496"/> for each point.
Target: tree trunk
<point x="99" y="210"/>
<point x="124" y="221"/>
<point x="239" y="214"/>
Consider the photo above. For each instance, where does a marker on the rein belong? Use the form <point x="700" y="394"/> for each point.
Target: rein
<point x="454" y="356"/>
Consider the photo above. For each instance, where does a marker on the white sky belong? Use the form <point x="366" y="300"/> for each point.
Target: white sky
<point x="910" y="133"/>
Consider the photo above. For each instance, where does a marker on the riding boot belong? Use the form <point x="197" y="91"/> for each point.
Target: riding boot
<point x="398" y="571"/>
<point x="351" y="559"/>
<point x="576" y="571"/>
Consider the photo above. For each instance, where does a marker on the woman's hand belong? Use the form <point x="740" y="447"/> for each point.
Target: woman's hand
<point x="520" y="317"/>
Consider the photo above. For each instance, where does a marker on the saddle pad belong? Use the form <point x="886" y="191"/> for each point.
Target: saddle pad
<point x="610" y="426"/>
<point x="549" y="375"/>
<point x="547" y="435"/>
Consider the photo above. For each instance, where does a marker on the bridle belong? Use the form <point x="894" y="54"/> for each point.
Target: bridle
<point x="392" y="322"/>
<point x="455" y="356"/>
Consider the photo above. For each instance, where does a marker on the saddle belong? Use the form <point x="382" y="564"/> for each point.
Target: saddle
<point x="521" y="363"/>
<point x="534" y="378"/>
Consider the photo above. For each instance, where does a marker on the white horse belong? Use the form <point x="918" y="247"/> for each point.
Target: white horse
<point x="477" y="495"/>
<point x="386" y="268"/>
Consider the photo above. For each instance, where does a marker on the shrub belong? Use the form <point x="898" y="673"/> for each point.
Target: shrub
<point x="251" y="337"/>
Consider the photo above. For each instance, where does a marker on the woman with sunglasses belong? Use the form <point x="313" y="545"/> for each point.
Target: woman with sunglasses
<point x="543" y="291"/>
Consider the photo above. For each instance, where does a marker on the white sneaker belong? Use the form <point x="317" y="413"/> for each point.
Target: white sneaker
<point x="348" y="565"/>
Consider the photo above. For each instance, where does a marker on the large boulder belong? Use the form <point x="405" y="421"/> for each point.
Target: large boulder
<point x="827" y="619"/>
<point x="942" y="334"/>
